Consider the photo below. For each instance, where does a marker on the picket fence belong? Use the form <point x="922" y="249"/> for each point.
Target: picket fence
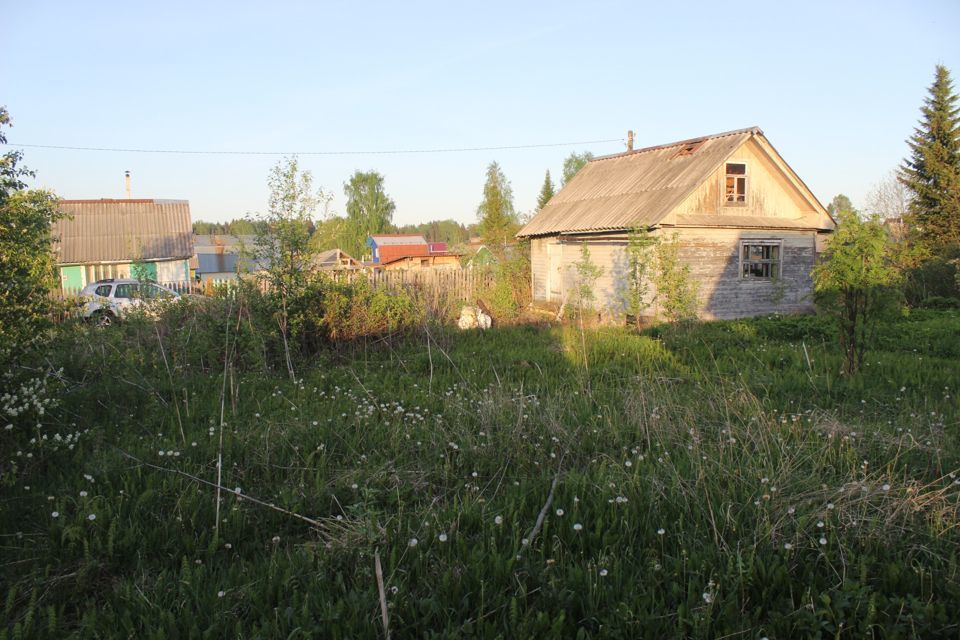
<point x="437" y="289"/>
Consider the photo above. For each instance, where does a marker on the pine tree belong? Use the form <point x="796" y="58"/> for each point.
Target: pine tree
<point x="932" y="173"/>
<point x="498" y="220"/>
<point x="546" y="192"/>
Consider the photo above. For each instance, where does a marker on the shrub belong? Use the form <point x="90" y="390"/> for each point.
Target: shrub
<point x="509" y="294"/>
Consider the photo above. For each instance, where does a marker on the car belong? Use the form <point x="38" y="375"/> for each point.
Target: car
<point x="105" y="301"/>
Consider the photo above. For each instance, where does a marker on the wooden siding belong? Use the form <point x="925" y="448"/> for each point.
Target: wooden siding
<point x="713" y="256"/>
<point x="769" y="192"/>
<point x="714" y="259"/>
<point x="538" y="267"/>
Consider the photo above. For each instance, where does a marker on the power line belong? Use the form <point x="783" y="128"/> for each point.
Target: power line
<point x="312" y="153"/>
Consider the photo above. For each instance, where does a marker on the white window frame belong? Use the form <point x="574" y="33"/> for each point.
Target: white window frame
<point x="769" y="242"/>
<point x="746" y="184"/>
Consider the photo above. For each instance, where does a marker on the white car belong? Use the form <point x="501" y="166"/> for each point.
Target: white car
<point x="104" y="301"/>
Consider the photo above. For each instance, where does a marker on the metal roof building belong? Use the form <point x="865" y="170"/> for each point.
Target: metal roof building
<point x="123" y="231"/>
<point x="109" y="238"/>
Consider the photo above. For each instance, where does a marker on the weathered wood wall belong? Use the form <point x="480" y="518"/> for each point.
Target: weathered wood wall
<point x="713" y="256"/>
<point x="769" y="192"/>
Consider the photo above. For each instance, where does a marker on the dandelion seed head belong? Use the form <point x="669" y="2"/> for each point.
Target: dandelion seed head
<point x="92" y="517"/>
<point x="442" y="537"/>
<point x="577" y="527"/>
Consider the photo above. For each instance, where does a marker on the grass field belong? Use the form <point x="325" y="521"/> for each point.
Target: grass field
<point x="720" y="480"/>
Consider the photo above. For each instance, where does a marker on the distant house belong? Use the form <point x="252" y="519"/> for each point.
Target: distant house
<point x="391" y="245"/>
<point x="393" y="248"/>
<point x="334" y="259"/>
<point x="422" y="261"/>
<point x="483" y="257"/>
<point x="218" y="257"/>
<point x="121" y="239"/>
<point x="747" y="226"/>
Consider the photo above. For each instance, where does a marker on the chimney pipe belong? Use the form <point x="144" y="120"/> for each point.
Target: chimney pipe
<point x="630" y="140"/>
<point x="126" y="180"/>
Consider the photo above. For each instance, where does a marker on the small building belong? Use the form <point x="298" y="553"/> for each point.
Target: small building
<point x="219" y="257"/>
<point x="336" y="259"/>
<point x="421" y="261"/>
<point x="385" y="246"/>
<point x="746" y="225"/>
<point x="98" y="239"/>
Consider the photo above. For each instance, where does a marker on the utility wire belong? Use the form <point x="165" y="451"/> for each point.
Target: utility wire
<point x="313" y="153"/>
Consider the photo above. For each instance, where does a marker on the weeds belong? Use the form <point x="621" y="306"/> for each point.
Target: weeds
<point x="719" y="479"/>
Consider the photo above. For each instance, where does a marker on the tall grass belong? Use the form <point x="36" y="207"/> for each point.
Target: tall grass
<point x="705" y="481"/>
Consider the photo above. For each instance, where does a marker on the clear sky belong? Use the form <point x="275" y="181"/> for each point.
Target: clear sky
<point x="836" y="87"/>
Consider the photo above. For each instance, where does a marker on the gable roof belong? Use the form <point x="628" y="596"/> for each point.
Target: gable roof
<point x="637" y="188"/>
<point x="203" y="243"/>
<point x="332" y="257"/>
<point x="123" y="230"/>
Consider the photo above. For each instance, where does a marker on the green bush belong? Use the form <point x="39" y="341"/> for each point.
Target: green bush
<point x="940" y="302"/>
<point x="509" y="294"/>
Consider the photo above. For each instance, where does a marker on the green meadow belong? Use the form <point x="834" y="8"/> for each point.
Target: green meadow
<point x="711" y="480"/>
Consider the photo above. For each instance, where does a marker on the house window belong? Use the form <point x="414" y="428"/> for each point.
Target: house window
<point x="760" y="259"/>
<point x="735" y="185"/>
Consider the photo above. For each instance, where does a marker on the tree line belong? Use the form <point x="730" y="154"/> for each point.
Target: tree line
<point x="370" y="210"/>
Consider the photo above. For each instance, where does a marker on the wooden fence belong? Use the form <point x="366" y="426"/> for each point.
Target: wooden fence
<point x="438" y="289"/>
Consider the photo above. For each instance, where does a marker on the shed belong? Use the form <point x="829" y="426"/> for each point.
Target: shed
<point x="746" y="225"/>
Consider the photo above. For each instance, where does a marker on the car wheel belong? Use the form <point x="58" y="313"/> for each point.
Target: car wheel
<point x="103" y="318"/>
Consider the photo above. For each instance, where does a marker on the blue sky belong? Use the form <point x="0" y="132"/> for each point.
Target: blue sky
<point x="836" y="86"/>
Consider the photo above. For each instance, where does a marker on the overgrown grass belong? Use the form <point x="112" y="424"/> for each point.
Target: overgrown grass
<point x="711" y="480"/>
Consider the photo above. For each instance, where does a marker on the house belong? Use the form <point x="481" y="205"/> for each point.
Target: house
<point x="334" y="259"/>
<point x="392" y="245"/>
<point x="424" y="260"/>
<point x="747" y="226"/>
<point x="391" y="248"/>
<point x="221" y="257"/>
<point x="98" y="239"/>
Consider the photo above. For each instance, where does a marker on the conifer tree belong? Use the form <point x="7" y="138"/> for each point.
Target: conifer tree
<point x="932" y="172"/>
<point x="497" y="218"/>
<point x="546" y="192"/>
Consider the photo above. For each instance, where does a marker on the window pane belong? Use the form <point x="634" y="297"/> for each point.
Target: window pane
<point x="736" y="169"/>
<point x="741" y="186"/>
<point x="124" y="291"/>
<point x="103" y="290"/>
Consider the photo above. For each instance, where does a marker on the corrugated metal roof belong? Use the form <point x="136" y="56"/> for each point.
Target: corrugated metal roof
<point x="123" y="230"/>
<point x="386" y="239"/>
<point x="636" y="188"/>
<point x="202" y="242"/>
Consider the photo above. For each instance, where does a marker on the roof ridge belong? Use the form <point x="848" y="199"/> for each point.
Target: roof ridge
<point x="657" y="147"/>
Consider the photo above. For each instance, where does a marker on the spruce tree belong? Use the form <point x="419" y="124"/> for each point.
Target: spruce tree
<point x="546" y="192"/>
<point x="497" y="218"/>
<point x="932" y="172"/>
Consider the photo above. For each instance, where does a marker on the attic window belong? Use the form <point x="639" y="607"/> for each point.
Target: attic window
<point x="735" y="184"/>
<point x="689" y="148"/>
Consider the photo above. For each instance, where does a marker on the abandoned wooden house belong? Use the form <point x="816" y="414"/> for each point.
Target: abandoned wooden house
<point x="746" y="225"/>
